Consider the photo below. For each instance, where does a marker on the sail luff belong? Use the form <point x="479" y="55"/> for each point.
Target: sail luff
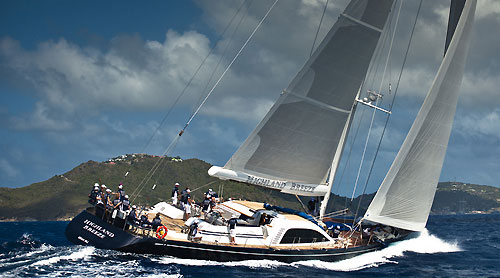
<point x="405" y="197"/>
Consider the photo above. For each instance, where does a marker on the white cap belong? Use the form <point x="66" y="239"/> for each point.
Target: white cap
<point x="126" y="196"/>
<point x="120" y="186"/>
<point x="96" y="184"/>
<point x="134" y="206"/>
<point x="210" y="189"/>
<point x="187" y="190"/>
<point x="108" y="190"/>
<point x="103" y="185"/>
<point x="177" y="183"/>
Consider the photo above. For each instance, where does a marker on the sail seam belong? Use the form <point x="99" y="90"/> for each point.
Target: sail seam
<point x="361" y="22"/>
<point x="319" y="103"/>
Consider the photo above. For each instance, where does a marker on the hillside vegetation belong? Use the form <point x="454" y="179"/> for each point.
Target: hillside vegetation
<point x="64" y="196"/>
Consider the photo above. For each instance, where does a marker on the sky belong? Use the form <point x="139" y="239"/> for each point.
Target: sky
<point x="92" y="80"/>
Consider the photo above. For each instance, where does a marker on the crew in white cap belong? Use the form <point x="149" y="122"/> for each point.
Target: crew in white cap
<point x="175" y="194"/>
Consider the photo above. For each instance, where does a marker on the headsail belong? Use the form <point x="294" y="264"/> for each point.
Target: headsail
<point x="405" y="197"/>
<point x="295" y="143"/>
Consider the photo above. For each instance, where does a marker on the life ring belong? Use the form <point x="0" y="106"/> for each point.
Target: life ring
<point x="161" y="232"/>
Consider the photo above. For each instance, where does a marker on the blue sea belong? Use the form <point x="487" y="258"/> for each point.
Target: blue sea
<point x="453" y="246"/>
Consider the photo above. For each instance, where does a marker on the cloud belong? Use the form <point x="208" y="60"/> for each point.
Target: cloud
<point x="488" y="8"/>
<point x="7" y="169"/>
<point x="486" y="124"/>
<point x="132" y="74"/>
<point x="96" y="98"/>
<point x="40" y="119"/>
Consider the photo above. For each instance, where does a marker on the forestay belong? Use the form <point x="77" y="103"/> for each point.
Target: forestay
<point x="293" y="147"/>
<point x="405" y="197"/>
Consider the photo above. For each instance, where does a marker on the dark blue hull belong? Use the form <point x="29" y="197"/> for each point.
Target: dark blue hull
<point x="87" y="229"/>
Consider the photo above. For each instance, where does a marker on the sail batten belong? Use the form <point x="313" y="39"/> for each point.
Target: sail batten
<point x="321" y="104"/>
<point x="298" y="138"/>
<point x="405" y="197"/>
<point x="361" y="22"/>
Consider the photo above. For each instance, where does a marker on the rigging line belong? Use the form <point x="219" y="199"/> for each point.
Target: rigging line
<point x="376" y="103"/>
<point x="153" y="170"/>
<point x="302" y="204"/>
<point x="227" y="68"/>
<point x="376" y="63"/>
<point x="390" y="48"/>
<point x="174" y="142"/>
<point x="217" y="66"/>
<point x="206" y="184"/>
<point x="377" y="54"/>
<point x="189" y="82"/>
<point x="226" y="48"/>
<point x="393" y="99"/>
<point x="349" y="153"/>
<point x="319" y="27"/>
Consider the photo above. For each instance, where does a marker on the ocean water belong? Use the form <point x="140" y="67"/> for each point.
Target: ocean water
<point x="453" y="246"/>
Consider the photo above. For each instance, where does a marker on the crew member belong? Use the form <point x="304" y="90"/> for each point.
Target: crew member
<point x="125" y="203"/>
<point x="175" y="194"/>
<point x="120" y="193"/>
<point x="212" y="193"/>
<point x="206" y="206"/>
<point x="156" y="222"/>
<point x="262" y="223"/>
<point x="107" y="198"/>
<point x="145" y="221"/>
<point x="231" y="225"/>
<point x="132" y="216"/>
<point x="94" y="194"/>
<point x="187" y="205"/>
<point x="116" y="203"/>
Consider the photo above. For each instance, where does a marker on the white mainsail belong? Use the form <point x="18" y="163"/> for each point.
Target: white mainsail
<point x="405" y="197"/>
<point x="293" y="147"/>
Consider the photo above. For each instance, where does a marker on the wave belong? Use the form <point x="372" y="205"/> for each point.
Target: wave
<point x="193" y="262"/>
<point x="78" y="255"/>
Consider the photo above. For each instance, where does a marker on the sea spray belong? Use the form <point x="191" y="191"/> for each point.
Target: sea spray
<point x="423" y="243"/>
<point x="74" y="256"/>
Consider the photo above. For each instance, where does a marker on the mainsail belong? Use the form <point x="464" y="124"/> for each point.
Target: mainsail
<point x="405" y="197"/>
<point x="293" y="147"/>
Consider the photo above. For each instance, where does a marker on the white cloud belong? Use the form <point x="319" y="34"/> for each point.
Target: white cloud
<point x="40" y="119"/>
<point x="7" y="169"/>
<point x="485" y="124"/>
<point x="488" y="8"/>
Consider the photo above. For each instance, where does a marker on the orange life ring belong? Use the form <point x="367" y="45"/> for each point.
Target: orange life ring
<point x="161" y="232"/>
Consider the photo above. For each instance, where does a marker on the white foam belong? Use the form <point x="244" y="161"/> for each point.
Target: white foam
<point x="249" y="263"/>
<point x="162" y="276"/>
<point x="44" y="247"/>
<point x="424" y="243"/>
<point x="81" y="254"/>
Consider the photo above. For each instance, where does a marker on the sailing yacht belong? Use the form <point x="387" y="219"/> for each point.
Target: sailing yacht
<point x="297" y="148"/>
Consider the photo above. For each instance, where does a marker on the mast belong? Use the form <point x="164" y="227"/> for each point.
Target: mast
<point x="336" y="162"/>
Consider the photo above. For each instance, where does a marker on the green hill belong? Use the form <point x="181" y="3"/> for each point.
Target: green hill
<point x="64" y="196"/>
